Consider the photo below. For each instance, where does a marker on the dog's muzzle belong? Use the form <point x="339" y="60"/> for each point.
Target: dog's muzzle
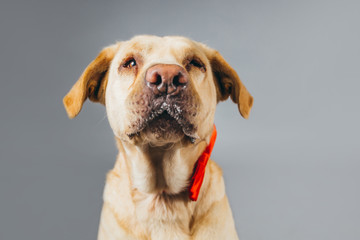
<point x="166" y="105"/>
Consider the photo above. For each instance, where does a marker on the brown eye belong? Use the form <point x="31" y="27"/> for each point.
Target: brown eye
<point x="130" y="63"/>
<point x="198" y="64"/>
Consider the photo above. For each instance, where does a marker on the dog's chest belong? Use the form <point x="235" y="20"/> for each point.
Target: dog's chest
<point x="162" y="216"/>
<point x="146" y="216"/>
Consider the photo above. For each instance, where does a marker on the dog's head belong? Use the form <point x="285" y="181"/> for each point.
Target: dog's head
<point x="159" y="90"/>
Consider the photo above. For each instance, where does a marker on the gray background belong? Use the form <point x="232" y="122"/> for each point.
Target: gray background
<point x="291" y="170"/>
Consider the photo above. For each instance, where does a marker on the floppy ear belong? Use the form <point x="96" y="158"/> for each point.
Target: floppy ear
<point x="92" y="82"/>
<point x="228" y="83"/>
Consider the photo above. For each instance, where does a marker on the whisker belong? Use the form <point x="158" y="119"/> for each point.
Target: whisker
<point x="100" y="121"/>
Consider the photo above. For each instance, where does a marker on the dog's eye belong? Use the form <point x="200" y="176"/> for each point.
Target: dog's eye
<point x="198" y="64"/>
<point x="130" y="63"/>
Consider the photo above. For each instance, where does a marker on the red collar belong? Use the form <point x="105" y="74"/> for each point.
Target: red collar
<point x="199" y="169"/>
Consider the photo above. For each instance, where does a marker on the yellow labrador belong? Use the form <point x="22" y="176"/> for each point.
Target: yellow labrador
<point x="160" y="95"/>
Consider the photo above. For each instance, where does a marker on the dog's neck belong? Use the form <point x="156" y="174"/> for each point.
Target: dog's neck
<point x="159" y="170"/>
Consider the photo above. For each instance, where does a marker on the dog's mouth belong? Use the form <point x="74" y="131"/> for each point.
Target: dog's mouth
<point x="166" y="120"/>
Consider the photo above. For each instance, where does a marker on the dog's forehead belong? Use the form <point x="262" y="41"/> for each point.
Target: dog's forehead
<point x="156" y="42"/>
<point x="160" y="47"/>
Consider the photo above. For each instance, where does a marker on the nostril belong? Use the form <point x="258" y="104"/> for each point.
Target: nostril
<point x="158" y="80"/>
<point x="180" y="80"/>
<point x="153" y="78"/>
<point x="176" y="81"/>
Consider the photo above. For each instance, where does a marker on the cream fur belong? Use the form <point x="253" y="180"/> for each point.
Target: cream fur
<point x="145" y="196"/>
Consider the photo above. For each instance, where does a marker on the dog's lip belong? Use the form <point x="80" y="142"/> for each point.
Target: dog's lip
<point x="175" y="112"/>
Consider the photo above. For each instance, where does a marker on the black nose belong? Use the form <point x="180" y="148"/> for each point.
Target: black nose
<point x="166" y="79"/>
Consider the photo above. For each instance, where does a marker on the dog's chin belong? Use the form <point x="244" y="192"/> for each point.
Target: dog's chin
<point x="165" y="123"/>
<point x="162" y="130"/>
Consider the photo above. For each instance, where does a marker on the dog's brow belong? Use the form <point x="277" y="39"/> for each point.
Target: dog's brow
<point x="136" y="46"/>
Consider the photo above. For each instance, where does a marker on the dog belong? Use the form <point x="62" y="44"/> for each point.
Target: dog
<point x="160" y="95"/>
